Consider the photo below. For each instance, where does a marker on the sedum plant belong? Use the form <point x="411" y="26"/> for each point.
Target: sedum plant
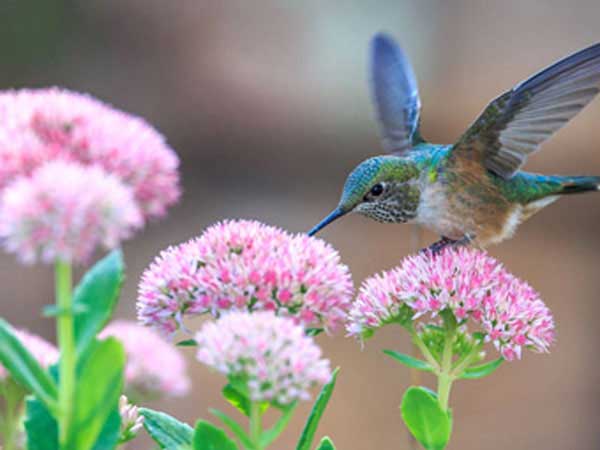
<point x="270" y="293"/>
<point x="451" y="304"/>
<point x="76" y="175"/>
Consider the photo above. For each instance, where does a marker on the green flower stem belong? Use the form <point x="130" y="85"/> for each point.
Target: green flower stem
<point x="460" y="367"/>
<point x="66" y="343"/>
<point x="425" y="351"/>
<point x="445" y="377"/>
<point x="256" y="425"/>
<point x="13" y="409"/>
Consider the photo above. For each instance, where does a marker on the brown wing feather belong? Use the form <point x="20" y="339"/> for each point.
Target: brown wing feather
<point x="516" y="123"/>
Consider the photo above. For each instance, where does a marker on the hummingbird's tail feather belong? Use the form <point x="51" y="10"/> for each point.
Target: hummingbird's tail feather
<point x="543" y="190"/>
<point x="575" y="185"/>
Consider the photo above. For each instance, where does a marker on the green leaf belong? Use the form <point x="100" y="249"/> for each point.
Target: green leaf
<point x="313" y="331"/>
<point x="168" y="432"/>
<point x="235" y="395"/>
<point x="99" y="385"/>
<point x="40" y="426"/>
<point x="425" y="418"/>
<point x="24" y="368"/>
<point x="111" y="432"/>
<point x="209" y="437"/>
<point x="312" y="423"/>
<point x="234" y="427"/>
<point x="273" y="433"/>
<point x="237" y="399"/>
<point x="405" y="317"/>
<point x="326" y="444"/>
<point x="409" y="361"/>
<point x="482" y="370"/>
<point x="479" y="336"/>
<point x="42" y="430"/>
<point x="187" y="343"/>
<point x="96" y="297"/>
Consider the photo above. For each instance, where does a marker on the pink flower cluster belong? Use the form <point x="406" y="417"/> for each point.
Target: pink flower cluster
<point x="75" y="131"/>
<point x="154" y="367"/>
<point x="66" y="211"/>
<point x="279" y="361"/>
<point x="245" y="265"/>
<point x="45" y="353"/>
<point x="472" y="285"/>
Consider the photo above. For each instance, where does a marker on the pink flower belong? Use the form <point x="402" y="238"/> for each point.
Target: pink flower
<point x="65" y="211"/>
<point x="245" y="265"/>
<point x="279" y="361"/>
<point x="470" y="283"/>
<point x="154" y="367"/>
<point x="42" y="125"/>
<point x="45" y="353"/>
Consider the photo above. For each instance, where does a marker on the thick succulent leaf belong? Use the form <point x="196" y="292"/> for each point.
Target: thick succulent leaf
<point x="234" y="427"/>
<point x="326" y="444"/>
<point x="235" y="396"/>
<point x="99" y="386"/>
<point x="96" y="297"/>
<point x="40" y="427"/>
<point x="426" y="420"/>
<point x="409" y="361"/>
<point x="168" y="432"/>
<point x="24" y="368"/>
<point x="209" y="437"/>
<point x="482" y="370"/>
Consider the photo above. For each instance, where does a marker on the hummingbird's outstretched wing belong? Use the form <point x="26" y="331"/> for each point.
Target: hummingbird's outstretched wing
<point x="395" y="94"/>
<point x="516" y="123"/>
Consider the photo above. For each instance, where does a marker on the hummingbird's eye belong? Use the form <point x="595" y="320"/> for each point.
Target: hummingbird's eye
<point x="377" y="190"/>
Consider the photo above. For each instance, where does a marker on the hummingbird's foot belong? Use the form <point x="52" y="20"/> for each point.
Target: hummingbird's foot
<point x="444" y="242"/>
<point x="438" y="246"/>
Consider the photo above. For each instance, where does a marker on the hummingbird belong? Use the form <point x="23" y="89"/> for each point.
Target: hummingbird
<point x="473" y="191"/>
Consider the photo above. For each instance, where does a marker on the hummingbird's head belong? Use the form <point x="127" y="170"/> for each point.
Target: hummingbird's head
<point x="383" y="188"/>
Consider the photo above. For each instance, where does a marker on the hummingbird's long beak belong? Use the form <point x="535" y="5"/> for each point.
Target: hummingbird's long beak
<point x="336" y="213"/>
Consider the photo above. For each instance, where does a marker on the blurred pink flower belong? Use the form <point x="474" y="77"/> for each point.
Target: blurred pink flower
<point x="65" y="211"/>
<point x="279" y="361"/>
<point x="41" y="125"/>
<point x="45" y="353"/>
<point x="472" y="285"/>
<point x="245" y="265"/>
<point x="154" y="366"/>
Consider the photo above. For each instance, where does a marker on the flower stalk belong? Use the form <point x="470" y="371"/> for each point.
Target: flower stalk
<point x="13" y="396"/>
<point x="66" y="343"/>
<point x="419" y="344"/>
<point x="445" y="377"/>
<point x="256" y="425"/>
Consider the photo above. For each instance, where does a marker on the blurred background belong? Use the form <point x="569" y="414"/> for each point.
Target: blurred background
<point x="267" y="105"/>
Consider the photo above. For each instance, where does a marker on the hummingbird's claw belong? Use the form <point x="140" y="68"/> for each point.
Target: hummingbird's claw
<point x="444" y="242"/>
<point x="440" y="245"/>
